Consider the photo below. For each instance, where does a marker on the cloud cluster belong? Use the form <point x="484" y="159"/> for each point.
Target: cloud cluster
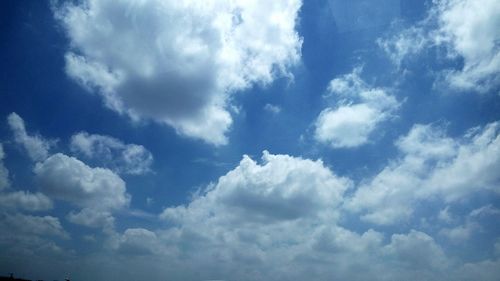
<point x="283" y="220"/>
<point x="96" y="192"/>
<point x="431" y="165"/>
<point x="359" y="111"/>
<point x="178" y="62"/>
<point x="466" y="29"/>
<point x="112" y="153"/>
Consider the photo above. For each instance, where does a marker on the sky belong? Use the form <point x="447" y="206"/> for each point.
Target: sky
<point x="250" y="140"/>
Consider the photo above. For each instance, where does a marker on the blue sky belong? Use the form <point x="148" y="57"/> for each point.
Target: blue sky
<point x="250" y="140"/>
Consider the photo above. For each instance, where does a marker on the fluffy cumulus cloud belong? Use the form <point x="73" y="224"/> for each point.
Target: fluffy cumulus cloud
<point x="36" y="146"/>
<point x="431" y="166"/>
<point x="256" y="214"/>
<point x="68" y="179"/>
<point x="283" y="188"/>
<point x="112" y="153"/>
<point x="359" y="112"/>
<point x="468" y="30"/>
<point x="177" y="62"/>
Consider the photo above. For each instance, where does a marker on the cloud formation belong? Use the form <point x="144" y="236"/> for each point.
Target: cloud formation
<point x="467" y="30"/>
<point x="32" y="225"/>
<point x="25" y="200"/>
<point x="431" y="165"/>
<point x="178" y="62"/>
<point x="92" y="217"/>
<point x="360" y="109"/>
<point x="36" y="146"/>
<point x="112" y="153"/>
<point x="282" y="220"/>
<point x="4" y="173"/>
<point x="69" y="179"/>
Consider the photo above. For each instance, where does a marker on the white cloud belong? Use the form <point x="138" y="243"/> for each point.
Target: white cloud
<point x="256" y="215"/>
<point x="487" y="210"/>
<point x="19" y="224"/>
<point x="36" y="146"/>
<point x="25" y="200"/>
<point x="467" y="29"/>
<point x="139" y="241"/>
<point x="247" y="232"/>
<point x="93" y="218"/>
<point x="19" y="199"/>
<point x="274" y="109"/>
<point x="68" y="179"/>
<point x="112" y="153"/>
<point x="177" y="62"/>
<point x="4" y="173"/>
<point x="460" y="233"/>
<point x="472" y="224"/>
<point x="418" y="251"/>
<point x="359" y="112"/>
<point x="431" y="166"/>
<point x="283" y="188"/>
<point x="487" y="270"/>
<point x="280" y="219"/>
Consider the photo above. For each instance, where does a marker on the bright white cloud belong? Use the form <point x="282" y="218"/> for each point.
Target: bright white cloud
<point x="68" y="179"/>
<point x="112" y="153"/>
<point x="4" y="173"/>
<point x="25" y="200"/>
<point x="36" y="146"/>
<point x="468" y="29"/>
<point x="431" y="165"/>
<point x="360" y="111"/>
<point x="177" y="62"/>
